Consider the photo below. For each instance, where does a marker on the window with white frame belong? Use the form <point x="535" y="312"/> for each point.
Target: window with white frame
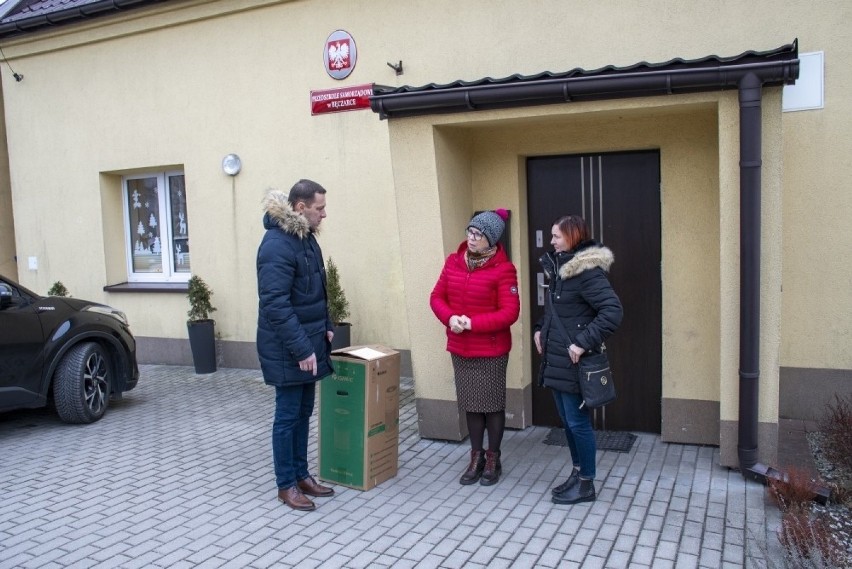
<point x="155" y="227"/>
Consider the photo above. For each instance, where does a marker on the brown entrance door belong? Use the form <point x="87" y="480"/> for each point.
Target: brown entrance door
<point x="619" y="196"/>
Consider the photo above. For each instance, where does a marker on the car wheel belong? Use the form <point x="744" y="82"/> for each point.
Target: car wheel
<point x="81" y="384"/>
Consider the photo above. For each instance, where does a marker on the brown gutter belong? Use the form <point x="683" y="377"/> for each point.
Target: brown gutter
<point x="67" y="16"/>
<point x="583" y="88"/>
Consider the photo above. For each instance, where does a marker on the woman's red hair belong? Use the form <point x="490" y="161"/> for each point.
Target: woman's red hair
<point x="574" y="230"/>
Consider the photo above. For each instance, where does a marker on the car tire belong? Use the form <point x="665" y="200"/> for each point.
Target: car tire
<point x="81" y="384"/>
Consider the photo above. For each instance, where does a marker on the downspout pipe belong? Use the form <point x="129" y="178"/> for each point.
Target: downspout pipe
<point x="750" y="88"/>
<point x="751" y="130"/>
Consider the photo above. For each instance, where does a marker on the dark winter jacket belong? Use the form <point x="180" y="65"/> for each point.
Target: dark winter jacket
<point x="293" y="311"/>
<point x="585" y="303"/>
<point x="488" y="295"/>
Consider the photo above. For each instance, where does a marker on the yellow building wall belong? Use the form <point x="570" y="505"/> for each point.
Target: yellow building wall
<point x="115" y="101"/>
<point x="8" y="264"/>
<point x="817" y="294"/>
<point x="185" y="82"/>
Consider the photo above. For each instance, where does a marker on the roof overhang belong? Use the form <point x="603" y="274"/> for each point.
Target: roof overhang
<point x="712" y="73"/>
<point x="22" y="18"/>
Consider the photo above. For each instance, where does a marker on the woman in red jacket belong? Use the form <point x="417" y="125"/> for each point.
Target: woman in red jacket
<point x="476" y="298"/>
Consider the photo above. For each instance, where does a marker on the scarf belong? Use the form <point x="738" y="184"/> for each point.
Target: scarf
<point x="476" y="260"/>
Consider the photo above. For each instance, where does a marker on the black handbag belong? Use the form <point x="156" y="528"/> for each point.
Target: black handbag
<point x="596" y="383"/>
<point x="597" y="386"/>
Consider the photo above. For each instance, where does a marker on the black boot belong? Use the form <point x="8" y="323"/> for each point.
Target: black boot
<point x="582" y="492"/>
<point x="570" y="483"/>
<point x="493" y="468"/>
<point x="474" y="469"/>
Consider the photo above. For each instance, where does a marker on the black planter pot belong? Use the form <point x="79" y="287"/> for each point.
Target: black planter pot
<point x="341" y="336"/>
<point x="202" y="342"/>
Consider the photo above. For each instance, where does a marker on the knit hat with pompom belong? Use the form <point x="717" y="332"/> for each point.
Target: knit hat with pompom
<point x="491" y="224"/>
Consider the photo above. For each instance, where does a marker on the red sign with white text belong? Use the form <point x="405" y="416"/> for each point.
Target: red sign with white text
<point x="342" y="99"/>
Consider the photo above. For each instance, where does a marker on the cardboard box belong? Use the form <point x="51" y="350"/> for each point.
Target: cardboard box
<point x="359" y="417"/>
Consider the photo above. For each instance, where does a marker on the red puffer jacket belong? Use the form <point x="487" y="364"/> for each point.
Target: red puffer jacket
<point x="488" y="296"/>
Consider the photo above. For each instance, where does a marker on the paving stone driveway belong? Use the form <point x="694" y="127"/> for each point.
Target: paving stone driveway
<point x="178" y="474"/>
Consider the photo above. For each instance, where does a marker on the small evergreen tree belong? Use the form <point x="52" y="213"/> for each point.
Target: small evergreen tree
<point x="338" y="306"/>
<point x="199" y="299"/>
<point x="58" y="289"/>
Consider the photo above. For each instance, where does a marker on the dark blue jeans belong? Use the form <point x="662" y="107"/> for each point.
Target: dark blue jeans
<point x="294" y="405"/>
<point x="578" y="431"/>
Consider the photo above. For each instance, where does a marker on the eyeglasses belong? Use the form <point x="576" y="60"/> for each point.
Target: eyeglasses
<point x="475" y="235"/>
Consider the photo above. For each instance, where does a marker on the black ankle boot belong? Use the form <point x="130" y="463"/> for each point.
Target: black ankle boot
<point x="493" y="468"/>
<point x="582" y="492"/>
<point x="571" y="482"/>
<point x="474" y="469"/>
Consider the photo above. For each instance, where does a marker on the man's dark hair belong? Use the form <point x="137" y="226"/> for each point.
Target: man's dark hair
<point x="304" y="191"/>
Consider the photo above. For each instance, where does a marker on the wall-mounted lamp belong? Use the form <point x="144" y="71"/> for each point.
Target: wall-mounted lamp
<point x="231" y="164"/>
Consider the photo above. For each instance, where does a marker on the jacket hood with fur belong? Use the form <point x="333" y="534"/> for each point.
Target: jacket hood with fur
<point x="585" y="259"/>
<point x="280" y="214"/>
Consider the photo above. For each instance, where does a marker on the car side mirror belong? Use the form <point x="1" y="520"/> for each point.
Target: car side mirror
<point x="5" y="295"/>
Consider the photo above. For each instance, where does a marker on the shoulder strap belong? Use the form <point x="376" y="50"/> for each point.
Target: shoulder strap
<point x="555" y="317"/>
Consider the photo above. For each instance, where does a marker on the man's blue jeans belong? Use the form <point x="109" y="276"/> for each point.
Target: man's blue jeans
<point x="578" y="431"/>
<point x="294" y="405"/>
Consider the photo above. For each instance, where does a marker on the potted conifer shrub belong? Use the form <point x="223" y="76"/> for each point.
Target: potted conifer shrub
<point x="202" y="335"/>
<point x="338" y="307"/>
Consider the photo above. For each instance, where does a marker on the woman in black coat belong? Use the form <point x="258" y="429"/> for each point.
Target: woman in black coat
<point x="590" y="311"/>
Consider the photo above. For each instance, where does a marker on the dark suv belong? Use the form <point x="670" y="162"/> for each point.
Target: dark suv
<point x="70" y="352"/>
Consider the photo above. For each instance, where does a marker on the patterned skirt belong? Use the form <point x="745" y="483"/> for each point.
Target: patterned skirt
<point x="481" y="383"/>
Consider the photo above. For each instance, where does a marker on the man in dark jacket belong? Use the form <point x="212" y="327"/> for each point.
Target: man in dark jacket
<point x="294" y="331"/>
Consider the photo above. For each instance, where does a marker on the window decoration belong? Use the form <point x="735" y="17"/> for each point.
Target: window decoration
<point x="158" y="251"/>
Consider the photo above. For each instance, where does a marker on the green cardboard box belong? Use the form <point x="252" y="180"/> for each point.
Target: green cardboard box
<point x="359" y="417"/>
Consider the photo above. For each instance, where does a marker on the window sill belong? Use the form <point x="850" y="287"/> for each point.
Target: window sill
<point x="148" y="287"/>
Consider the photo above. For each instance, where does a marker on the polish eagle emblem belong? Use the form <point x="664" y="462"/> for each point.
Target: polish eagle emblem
<point x="338" y="54"/>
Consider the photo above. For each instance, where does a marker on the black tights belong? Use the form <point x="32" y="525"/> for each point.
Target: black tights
<point x="495" y="423"/>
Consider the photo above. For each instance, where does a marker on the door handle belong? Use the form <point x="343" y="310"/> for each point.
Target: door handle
<point x="540" y="287"/>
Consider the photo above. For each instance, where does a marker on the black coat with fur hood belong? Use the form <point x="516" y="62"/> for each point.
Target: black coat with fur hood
<point x="293" y="310"/>
<point x="585" y="302"/>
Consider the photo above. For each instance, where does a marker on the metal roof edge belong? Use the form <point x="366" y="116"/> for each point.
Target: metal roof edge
<point x="779" y="66"/>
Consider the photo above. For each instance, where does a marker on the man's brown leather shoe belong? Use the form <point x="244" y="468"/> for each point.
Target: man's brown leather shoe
<point x="310" y="487"/>
<point x="294" y="498"/>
